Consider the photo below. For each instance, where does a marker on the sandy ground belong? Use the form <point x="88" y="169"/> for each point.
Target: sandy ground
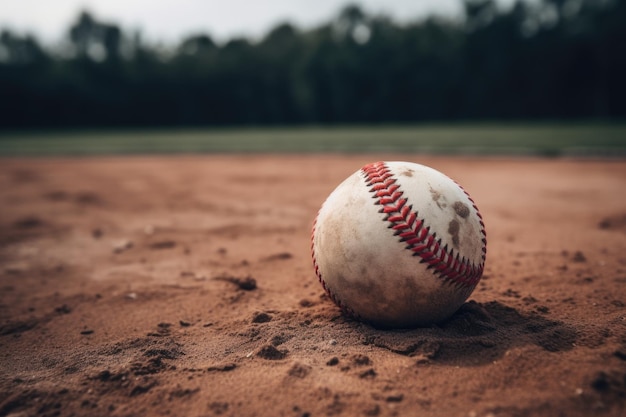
<point x="184" y="286"/>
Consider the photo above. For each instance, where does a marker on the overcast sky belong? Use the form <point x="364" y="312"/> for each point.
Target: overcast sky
<point x="170" y="20"/>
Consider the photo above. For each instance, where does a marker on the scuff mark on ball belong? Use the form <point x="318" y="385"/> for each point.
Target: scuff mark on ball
<point x="461" y="209"/>
<point x="438" y="198"/>
<point x="453" y="229"/>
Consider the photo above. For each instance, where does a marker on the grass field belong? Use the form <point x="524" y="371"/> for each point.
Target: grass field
<point x="529" y="139"/>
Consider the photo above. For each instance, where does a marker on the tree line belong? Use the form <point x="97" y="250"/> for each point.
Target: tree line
<point x="541" y="60"/>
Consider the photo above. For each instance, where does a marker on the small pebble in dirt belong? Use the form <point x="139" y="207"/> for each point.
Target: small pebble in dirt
<point x="122" y="245"/>
<point x="333" y="361"/>
<point x="260" y="317"/>
<point x="246" y="284"/>
<point x="163" y="244"/>
<point x="620" y="354"/>
<point x="361" y="360"/>
<point x="299" y="412"/>
<point x="64" y="309"/>
<point x="396" y="398"/>
<point x="278" y="257"/>
<point x="270" y="352"/>
<point x="422" y="360"/>
<point x="306" y="303"/>
<point x="184" y="323"/>
<point x="222" y="368"/>
<point x="279" y="339"/>
<point x="600" y="382"/>
<point x="218" y="407"/>
<point x="86" y="332"/>
<point x="579" y="257"/>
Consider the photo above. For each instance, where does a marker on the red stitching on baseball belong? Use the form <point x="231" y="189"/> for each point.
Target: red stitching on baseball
<point x="412" y="231"/>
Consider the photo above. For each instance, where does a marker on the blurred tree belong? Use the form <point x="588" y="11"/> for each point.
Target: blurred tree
<point x="95" y="40"/>
<point x="479" y="13"/>
<point x="197" y="45"/>
<point x="540" y="59"/>
<point x="352" y="24"/>
<point x="20" y="50"/>
<point x="82" y="34"/>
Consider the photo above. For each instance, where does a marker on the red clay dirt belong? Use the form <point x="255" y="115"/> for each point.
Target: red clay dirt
<point x="183" y="286"/>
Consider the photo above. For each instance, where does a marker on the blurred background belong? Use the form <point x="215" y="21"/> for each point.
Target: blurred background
<point x="263" y="68"/>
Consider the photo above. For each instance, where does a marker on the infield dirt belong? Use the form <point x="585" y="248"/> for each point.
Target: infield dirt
<point x="183" y="286"/>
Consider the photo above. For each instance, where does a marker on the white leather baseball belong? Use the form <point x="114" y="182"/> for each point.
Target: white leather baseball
<point x="399" y="244"/>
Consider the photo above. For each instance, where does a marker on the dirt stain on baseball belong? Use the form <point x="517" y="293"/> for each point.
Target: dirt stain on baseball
<point x="437" y="196"/>
<point x="407" y="173"/>
<point x="461" y="209"/>
<point x="453" y="229"/>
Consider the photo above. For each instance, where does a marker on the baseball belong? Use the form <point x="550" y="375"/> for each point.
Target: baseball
<point x="398" y="245"/>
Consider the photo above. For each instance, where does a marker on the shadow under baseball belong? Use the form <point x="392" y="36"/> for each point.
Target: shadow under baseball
<point x="478" y="333"/>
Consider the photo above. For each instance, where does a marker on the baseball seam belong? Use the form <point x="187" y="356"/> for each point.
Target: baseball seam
<point x="414" y="232"/>
<point x="347" y="310"/>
